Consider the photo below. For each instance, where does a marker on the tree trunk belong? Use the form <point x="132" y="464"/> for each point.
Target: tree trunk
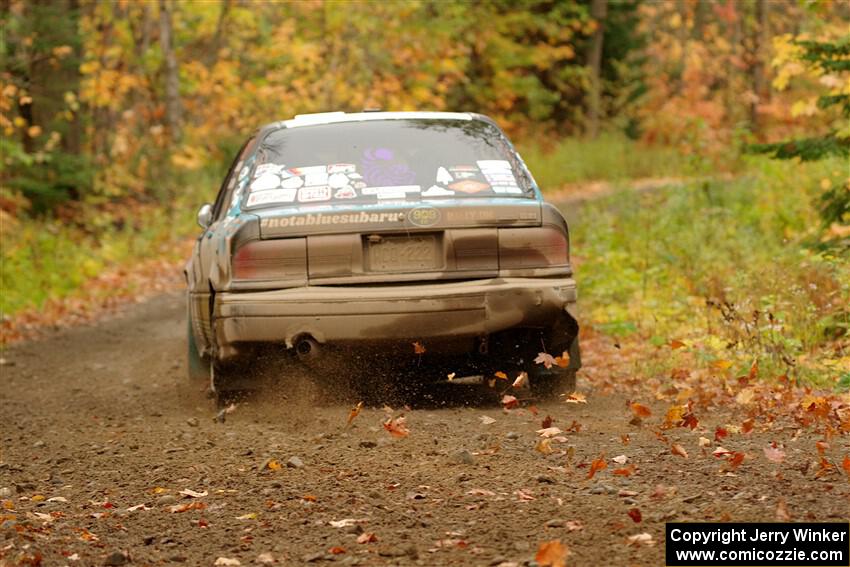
<point x="598" y="11"/>
<point x="173" y="109"/>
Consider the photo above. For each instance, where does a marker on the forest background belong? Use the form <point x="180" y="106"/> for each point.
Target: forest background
<point x="119" y="119"/>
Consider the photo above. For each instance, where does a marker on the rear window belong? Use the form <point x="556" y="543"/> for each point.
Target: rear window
<point x="386" y="160"/>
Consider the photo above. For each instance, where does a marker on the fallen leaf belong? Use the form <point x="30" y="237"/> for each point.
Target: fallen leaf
<point x="487" y="420"/>
<point x="721" y="452"/>
<point x="501" y="375"/>
<point x="509" y="402"/>
<point x="551" y="554"/>
<point x="564" y="360"/>
<point x="397" y="427"/>
<point x="418" y="348"/>
<point x="620" y="459"/>
<point x="544" y="446"/>
<point x="574" y="525"/>
<point x="342" y="523"/>
<point x="745" y="396"/>
<point x="520" y="380"/>
<point x="747" y="425"/>
<point x="624" y="471"/>
<point x="547" y="422"/>
<point x="192" y="494"/>
<point x="524" y="495"/>
<point x="226" y="561"/>
<point x="721" y="364"/>
<point x="845" y="464"/>
<point x="774" y="454"/>
<point x="641" y="539"/>
<point x="597" y="465"/>
<point x="337" y="550"/>
<point x="720" y="433"/>
<point x="274" y="465"/>
<point x="138" y="507"/>
<point x="57" y="499"/>
<point x="635" y="515"/>
<point x="822" y="446"/>
<point x="355" y="411"/>
<point x="367" y="537"/>
<point x="754" y="371"/>
<point x="265" y="558"/>
<point x="640" y="411"/>
<point x="548" y="432"/>
<point x="677" y="449"/>
<point x="735" y="460"/>
<point x="576" y="398"/>
<point x="674" y="344"/>
<point x="249" y="516"/>
<point x="704" y="442"/>
<point x="194" y="505"/>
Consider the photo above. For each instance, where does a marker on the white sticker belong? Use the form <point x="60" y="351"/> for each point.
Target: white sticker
<point x="292" y="182"/>
<point x="338" y="180"/>
<point x="512" y="189"/>
<point x="317" y="178"/>
<point x="464" y="174"/>
<point x="310" y="194"/>
<point x="276" y="196"/>
<point x="444" y="176"/>
<point x="355" y="175"/>
<point x="437" y="191"/>
<point x="267" y="181"/>
<point x="310" y="169"/>
<point x="493" y="164"/>
<point x="345" y="193"/>
<point x="392" y="189"/>
<point x="267" y="168"/>
<point x="503" y="178"/>
<point x="342" y="168"/>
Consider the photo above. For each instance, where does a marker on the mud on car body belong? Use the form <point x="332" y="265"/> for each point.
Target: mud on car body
<point x="365" y="233"/>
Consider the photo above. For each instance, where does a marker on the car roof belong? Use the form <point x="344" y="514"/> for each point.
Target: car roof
<point x="301" y="120"/>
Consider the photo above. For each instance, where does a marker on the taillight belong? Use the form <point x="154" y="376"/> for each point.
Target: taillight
<point x="280" y="259"/>
<point x="542" y="247"/>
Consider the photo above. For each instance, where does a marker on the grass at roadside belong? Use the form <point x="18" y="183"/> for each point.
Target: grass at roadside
<point x="610" y="158"/>
<point x="729" y="268"/>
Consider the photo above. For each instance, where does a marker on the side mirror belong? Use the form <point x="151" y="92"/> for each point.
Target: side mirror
<point x="205" y="215"/>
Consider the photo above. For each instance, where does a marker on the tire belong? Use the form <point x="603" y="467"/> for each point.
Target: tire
<point x="554" y="382"/>
<point x="198" y="367"/>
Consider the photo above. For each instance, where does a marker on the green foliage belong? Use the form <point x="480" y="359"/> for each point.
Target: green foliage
<point x="721" y="263"/>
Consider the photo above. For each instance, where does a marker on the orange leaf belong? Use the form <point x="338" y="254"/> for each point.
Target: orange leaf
<point x="367" y="537"/>
<point x="747" y="426"/>
<point x="822" y="447"/>
<point x="501" y="375"/>
<point x="552" y="554"/>
<point x="754" y="370"/>
<point x="677" y="449"/>
<point x="597" y="465"/>
<point x="625" y="471"/>
<point x="674" y="344"/>
<point x="418" y="348"/>
<point x="509" y="402"/>
<point x="640" y="410"/>
<point x="635" y="515"/>
<point x="336" y="550"/>
<point x="396" y="427"/>
<point x="845" y="464"/>
<point x="735" y="460"/>
<point x="355" y="411"/>
<point x="547" y="422"/>
<point x="720" y="433"/>
<point x="576" y="398"/>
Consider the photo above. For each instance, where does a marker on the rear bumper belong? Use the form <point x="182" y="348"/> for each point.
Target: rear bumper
<point x="337" y="314"/>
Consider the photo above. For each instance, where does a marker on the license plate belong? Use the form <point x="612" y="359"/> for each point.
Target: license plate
<point x="403" y="253"/>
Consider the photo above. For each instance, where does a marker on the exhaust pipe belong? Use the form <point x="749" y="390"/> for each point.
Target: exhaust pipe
<point x="307" y="348"/>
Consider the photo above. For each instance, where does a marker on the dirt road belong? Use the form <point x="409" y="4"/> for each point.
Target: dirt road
<point x="96" y="449"/>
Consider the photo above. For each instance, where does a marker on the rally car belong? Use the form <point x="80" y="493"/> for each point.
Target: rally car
<point x="418" y="238"/>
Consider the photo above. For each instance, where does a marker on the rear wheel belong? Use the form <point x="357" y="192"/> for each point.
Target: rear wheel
<point x="193" y="388"/>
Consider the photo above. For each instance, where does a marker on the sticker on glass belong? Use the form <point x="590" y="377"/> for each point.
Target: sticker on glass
<point x="345" y="193"/>
<point x="342" y="168"/>
<point x="316" y="178"/>
<point x="503" y="178"/>
<point x="292" y="182"/>
<point x="444" y="176"/>
<point x="337" y="180"/>
<point x="493" y="164"/>
<point x="437" y="191"/>
<point x="310" y="194"/>
<point x="264" y="168"/>
<point x="469" y="186"/>
<point x="264" y="182"/>
<point x="276" y="196"/>
<point x="510" y="189"/>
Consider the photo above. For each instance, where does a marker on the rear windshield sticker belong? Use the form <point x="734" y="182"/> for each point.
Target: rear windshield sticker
<point x="345" y="193"/>
<point x="444" y="176"/>
<point x="275" y="196"/>
<point x="337" y="180"/>
<point x="264" y="168"/>
<point x="437" y="191"/>
<point x="493" y="164"/>
<point x="316" y="178"/>
<point x="292" y="182"/>
<point x="342" y="168"/>
<point x="502" y="178"/>
<point x="311" y="194"/>
<point x="455" y="168"/>
<point x="509" y="189"/>
<point x="264" y="182"/>
<point x="469" y="186"/>
<point x="464" y="174"/>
